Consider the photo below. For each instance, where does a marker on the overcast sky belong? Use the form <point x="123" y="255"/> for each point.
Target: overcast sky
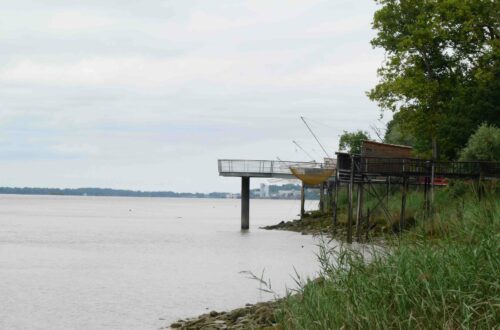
<point x="149" y="94"/>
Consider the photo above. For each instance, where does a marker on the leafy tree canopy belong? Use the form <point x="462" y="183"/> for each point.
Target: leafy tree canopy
<point x="351" y="142"/>
<point x="441" y="72"/>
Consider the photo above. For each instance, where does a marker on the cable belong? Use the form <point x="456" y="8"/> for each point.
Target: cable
<point x="317" y="140"/>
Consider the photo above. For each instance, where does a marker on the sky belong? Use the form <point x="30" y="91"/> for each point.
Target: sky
<point x="147" y="95"/>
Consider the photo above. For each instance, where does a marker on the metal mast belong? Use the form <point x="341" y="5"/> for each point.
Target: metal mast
<point x="314" y="135"/>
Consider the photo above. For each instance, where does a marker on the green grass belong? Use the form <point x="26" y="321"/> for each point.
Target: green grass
<point x="441" y="274"/>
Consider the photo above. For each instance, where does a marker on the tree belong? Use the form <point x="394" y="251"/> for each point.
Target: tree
<point x="351" y="142"/>
<point x="395" y="134"/>
<point x="483" y="145"/>
<point x="440" y="55"/>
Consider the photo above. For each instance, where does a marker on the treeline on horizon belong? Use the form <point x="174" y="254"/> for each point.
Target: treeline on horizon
<point x="106" y="192"/>
<point x="138" y="193"/>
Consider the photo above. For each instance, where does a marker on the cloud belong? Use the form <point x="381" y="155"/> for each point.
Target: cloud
<point x="272" y="68"/>
<point x="75" y="150"/>
<point x="76" y="20"/>
<point x="338" y="27"/>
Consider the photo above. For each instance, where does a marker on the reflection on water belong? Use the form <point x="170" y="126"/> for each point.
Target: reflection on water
<point x="137" y="263"/>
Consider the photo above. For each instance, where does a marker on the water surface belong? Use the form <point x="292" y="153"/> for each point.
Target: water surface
<point x="138" y="263"/>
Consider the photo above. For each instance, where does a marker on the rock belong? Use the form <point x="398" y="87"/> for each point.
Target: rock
<point x="234" y="315"/>
<point x="175" y="325"/>
<point x="213" y="314"/>
<point x="265" y="315"/>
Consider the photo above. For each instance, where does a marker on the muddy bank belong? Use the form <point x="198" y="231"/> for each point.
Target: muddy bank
<point x="258" y="316"/>
<point x="317" y="223"/>
<point x="314" y="223"/>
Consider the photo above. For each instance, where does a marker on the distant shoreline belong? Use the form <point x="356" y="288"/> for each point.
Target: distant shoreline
<point x="104" y="192"/>
<point x="108" y="192"/>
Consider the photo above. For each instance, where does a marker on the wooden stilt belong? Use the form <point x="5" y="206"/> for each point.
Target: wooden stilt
<point x="359" y="210"/>
<point x="302" y="200"/>
<point x="329" y="196"/>
<point x="349" y="213"/>
<point x="322" y="197"/>
<point x="387" y="190"/>
<point x="433" y="173"/>
<point x="367" y="224"/>
<point x="426" y="197"/>
<point x="403" y="204"/>
<point x="335" y="200"/>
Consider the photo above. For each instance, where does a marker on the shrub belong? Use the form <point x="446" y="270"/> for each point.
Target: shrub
<point x="483" y="145"/>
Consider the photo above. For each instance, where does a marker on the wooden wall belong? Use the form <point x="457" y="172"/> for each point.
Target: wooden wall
<point x="376" y="149"/>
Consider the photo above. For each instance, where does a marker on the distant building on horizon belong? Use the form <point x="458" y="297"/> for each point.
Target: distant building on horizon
<point x="264" y="190"/>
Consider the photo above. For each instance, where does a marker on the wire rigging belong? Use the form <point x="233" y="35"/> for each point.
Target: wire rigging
<point x="315" y="137"/>
<point x="298" y="145"/>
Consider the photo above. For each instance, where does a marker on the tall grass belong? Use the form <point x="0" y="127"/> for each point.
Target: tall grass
<point x="419" y="282"/>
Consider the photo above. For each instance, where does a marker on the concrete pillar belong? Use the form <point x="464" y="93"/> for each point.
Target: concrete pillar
<point x="245" y="202"/>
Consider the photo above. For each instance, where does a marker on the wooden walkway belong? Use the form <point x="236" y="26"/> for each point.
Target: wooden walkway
<point x="378" y="167"/>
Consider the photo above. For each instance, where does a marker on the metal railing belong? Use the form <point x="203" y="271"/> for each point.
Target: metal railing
<point x="417" y="167"/>
<point x="262" y="166"/>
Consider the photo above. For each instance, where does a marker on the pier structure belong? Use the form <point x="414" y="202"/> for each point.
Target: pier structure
<point x="364" y="171"/>
<point x="246" y="169"/>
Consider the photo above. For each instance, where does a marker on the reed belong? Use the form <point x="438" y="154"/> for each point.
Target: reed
<point x="441" y="274"/>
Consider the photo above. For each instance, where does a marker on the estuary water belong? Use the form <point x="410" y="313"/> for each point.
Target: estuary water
<point x="139" y="263"/>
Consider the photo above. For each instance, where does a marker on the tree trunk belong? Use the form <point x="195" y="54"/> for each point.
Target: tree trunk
<point x="435" y="148"/>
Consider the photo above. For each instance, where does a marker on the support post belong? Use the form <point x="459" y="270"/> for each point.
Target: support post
<point x="302" y="200"/>
<point x="359" y="211"/>
<point x="335" y="200"/>
<point x="322" y="197"/>
<point x="433" y="173"/>
<point x="245" y="203"/>
<point x="329" y="196"/>
<point x="480" y="186"/>
<point x="387" y="190"/>
<point x="403" y="205"/>
<point x="349" y="213"/>
<point x="367" y="224"/>
<point x="426" y="197"/>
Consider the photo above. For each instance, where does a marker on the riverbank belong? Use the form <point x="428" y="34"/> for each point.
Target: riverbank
<point x="441" y="273"/>
<point x="252" y="316"/>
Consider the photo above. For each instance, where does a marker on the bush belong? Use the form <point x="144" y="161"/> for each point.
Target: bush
<point x="483" y="145"/>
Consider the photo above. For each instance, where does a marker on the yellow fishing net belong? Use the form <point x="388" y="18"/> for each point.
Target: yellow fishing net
<point x="312" y="176"/>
